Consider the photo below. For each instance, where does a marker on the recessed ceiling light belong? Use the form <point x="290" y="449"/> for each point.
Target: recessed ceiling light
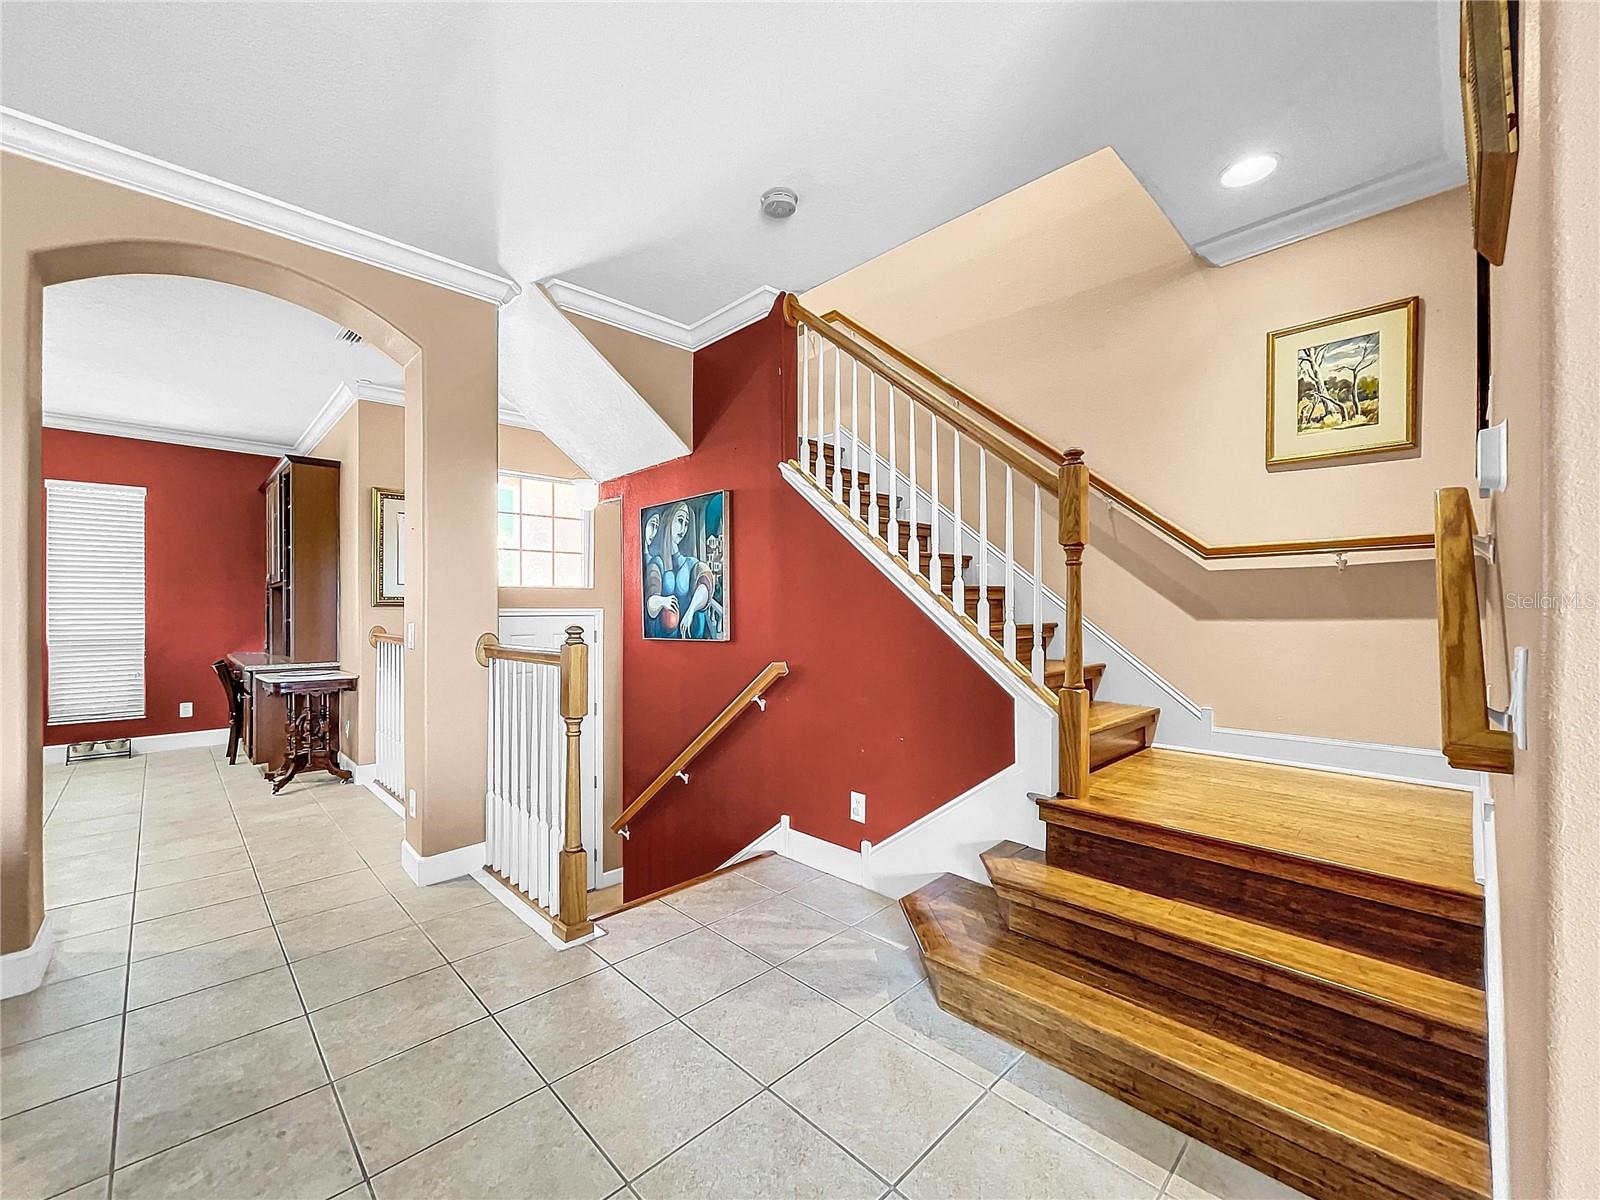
<point x="1249" y="170"/>
<point x="779" y="202"/>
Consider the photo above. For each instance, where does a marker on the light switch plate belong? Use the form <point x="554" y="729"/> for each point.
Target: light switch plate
<point x="186" y="709"/>
<point x="411" y="801"/>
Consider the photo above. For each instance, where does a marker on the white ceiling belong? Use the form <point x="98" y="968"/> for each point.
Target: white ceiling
<point x="191" y="360"/>
<point x="622" y="148"/>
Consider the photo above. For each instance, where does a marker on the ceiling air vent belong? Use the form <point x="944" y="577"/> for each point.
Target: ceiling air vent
<point x="350" y="336"/>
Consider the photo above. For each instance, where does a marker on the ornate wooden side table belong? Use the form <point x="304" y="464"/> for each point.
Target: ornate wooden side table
<point x="311" y="721"/>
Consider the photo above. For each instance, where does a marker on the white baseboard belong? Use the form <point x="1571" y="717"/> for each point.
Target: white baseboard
<point x="362" y="773"/>
<point x="23" y="970"/>
<point x="438" y="868"/>
<point x="609" y="878"/>
<point x="529" y="916"/>
<point x="153" y="744"/>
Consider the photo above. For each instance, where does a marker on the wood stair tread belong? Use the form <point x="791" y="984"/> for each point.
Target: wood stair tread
<point x="1107" y="715"/>
<point x="1199" y="1081"/>
<point x="1055" y="672"/>
<point x="1374" y="988"/>
<point x="1393" y="833"/>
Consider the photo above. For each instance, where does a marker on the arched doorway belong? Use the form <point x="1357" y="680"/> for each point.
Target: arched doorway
<point x="57" y="227"/>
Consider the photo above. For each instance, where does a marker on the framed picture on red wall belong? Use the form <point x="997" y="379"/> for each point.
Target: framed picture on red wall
<point x="684" y="546"/>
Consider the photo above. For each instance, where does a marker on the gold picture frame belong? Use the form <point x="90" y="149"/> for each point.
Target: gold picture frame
<point x="1489" y="115"/>
<point x="388" y="548"/>
<point x="1343" y="386"/>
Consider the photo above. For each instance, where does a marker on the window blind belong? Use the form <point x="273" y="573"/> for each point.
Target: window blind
<point x="94" y="601"/>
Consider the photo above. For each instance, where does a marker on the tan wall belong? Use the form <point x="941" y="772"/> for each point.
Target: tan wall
<point x="56" y="226"/>
<point x="662" y="374"/>
<point x="527" y="450"/>
<point x="369" y="443"/>
<point x="1546" y="357"/>
<point x="1072" y="306"/>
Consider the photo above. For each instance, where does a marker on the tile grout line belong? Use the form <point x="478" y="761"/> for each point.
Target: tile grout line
<point x="322" y="1057"/>
<point x="127" y="985"/>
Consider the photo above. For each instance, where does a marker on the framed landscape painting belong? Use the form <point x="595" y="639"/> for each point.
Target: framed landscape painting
<point x="1343" y="386"/>
<point x="684" y="547"/>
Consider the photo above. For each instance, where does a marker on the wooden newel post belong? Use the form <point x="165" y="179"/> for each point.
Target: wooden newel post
<point x="1073" y="495"/>
<point x="574" y="919"/>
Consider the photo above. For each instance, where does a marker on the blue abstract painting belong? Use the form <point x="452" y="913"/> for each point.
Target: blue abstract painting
<point x="684" y="545"/>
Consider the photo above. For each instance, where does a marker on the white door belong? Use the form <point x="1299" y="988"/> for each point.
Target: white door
<point x="546" y="629"/>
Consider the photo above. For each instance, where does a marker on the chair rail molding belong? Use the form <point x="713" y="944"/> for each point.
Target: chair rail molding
<point x="730" y="318"/>
<point x="46" y="142"/>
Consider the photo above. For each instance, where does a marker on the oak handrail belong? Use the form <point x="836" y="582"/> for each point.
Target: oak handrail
<point x="378" y="634"/>
<point x="1470" y="743"/>
<point x="752" y="692"/>
<point x="1373" y="543"/>
<point x="489" y="647"/>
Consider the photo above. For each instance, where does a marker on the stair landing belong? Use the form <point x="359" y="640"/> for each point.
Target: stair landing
<point x="1389" y="832"/>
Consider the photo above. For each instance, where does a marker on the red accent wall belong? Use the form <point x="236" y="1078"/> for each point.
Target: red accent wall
<point x="205" y="546"/>
<point x="878" y="699"/>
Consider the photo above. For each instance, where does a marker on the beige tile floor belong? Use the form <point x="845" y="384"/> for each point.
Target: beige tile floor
<point x="250" y="998"/>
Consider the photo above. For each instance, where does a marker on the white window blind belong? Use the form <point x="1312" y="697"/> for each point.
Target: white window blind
<point x="94" y="601"/>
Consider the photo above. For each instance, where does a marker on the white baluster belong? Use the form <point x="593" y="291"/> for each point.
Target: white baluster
<point x="803" y="344"/>
<point x="893" y="531"/>
<point x="872" y="450"/>
<point x="915" y="556"/>
<point x="491" y="766"/>
<point x="983" y="541"/>
<point x="1036" y="667"/>
<point x="555" y="790"/>
<point x="519" y="873"/>
<point x="539" y="843"/>
<point x="1010" y="641"/>
<point x="957" y="596"/>
<point x="838" y="428"/>
<point x="935" y="567"/>
<point x="855" y="438"/>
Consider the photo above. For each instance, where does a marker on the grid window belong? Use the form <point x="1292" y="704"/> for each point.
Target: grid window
<point x="543" y="536"/>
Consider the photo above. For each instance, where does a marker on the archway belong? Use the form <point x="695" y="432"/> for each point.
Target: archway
<point x="57" y="227"/>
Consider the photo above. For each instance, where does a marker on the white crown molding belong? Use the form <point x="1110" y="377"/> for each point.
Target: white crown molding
<point x="378" y="393"/>
<point x="58" y="146"/>
<point x="162" y="433"/>
<point x="730" y="318"/>
<point x="1405" y="186"/>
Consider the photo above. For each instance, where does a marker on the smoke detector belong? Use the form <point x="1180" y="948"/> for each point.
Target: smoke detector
<point x="779" y="202"/>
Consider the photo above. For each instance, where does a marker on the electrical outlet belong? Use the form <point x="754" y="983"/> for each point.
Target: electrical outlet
<point x="186" y="709"/>
<point x="411" y="800"/>
<point x="858" y="807"/>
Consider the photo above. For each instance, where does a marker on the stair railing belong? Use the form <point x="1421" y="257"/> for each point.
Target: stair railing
<point x="533" y="804"/>
<point x="753" y="693"/>
<point x="952" y="395"/>
<point x="389" y="696"/>
<point x="914" y="471"/>
<point x="1470" y="741"/>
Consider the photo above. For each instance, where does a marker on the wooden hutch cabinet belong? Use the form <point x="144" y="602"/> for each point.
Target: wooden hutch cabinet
<point x="302" y="593"/>
<point x="303" y="560"/>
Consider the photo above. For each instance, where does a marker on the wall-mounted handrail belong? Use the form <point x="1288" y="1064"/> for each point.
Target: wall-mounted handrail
<point x="378" y="634"/>
<point x="1470" y="743"/>
<point x="1027" y="448"/>
<point x="752" y="692"/>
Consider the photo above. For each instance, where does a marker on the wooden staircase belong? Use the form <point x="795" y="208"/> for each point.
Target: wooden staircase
<point x="1284" y="963"/>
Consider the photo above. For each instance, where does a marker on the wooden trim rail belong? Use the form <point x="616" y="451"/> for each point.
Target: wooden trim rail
<point x="751" y="694"/>
<point x="489" y="647"/>
<point x="1025" y="449"/>
<point x="379" y="634"/>
<point x="1470" y="743"/>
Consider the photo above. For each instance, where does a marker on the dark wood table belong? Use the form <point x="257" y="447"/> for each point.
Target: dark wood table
<point x="264" y="714"/>
<point x="311" y="719"/>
